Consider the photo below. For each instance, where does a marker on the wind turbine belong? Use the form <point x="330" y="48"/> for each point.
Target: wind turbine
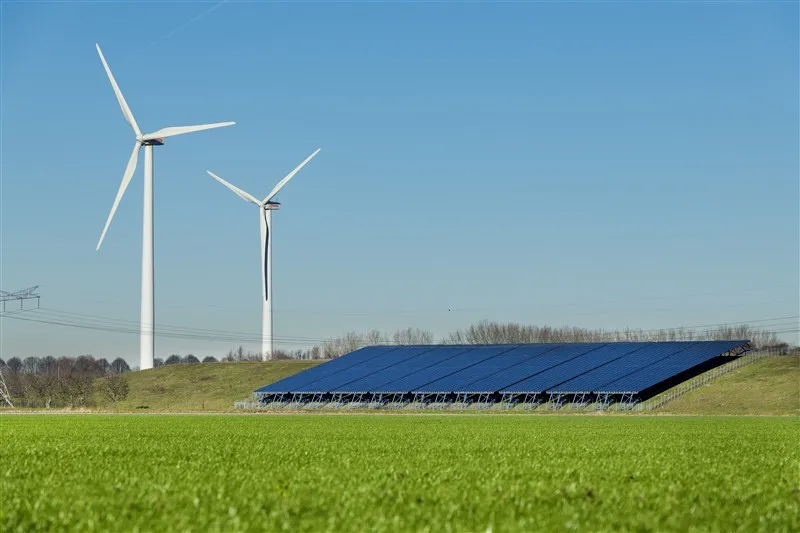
<point x="146" y="337"/>
<point x="266" y="206"/>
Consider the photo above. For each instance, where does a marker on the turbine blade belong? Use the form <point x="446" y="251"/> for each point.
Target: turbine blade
<point x="289" y="176"/>
<point x="243" y="195"/>
<point x="126" y="111"/>
<point x="126" y="179"/>
<point x="180" y="130"/>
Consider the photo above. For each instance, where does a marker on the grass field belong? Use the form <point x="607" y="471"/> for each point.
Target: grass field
<point x="399" y="473"/>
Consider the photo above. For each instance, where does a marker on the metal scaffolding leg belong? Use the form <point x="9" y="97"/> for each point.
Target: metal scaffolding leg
<point x="581" y="400"/>
<point x="508" y="400"/>
<point x="337" y="400"/>
<point x="627" y="401"/>
<point x="531" y="400"/>
<point x="399" y="401"/>
<point x="603" y="401"/>
<point x="556" y="400"/>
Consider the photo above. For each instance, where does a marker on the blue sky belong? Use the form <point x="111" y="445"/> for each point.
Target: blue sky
<point x="594" y="164"/>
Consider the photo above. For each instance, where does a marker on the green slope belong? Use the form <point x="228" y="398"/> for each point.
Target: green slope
<point x="769" y="386"/>
<point x="198" y="387"/>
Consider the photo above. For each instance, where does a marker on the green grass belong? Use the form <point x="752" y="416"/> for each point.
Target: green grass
<point x="211" y="387"/>
<point x="399" y="473"/>
<point x="768" y="386"/>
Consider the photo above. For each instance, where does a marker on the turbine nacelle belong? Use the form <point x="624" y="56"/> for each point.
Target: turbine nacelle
<point x="266" y="203"/>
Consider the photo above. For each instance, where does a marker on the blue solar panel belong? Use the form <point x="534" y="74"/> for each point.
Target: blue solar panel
<point x="334" y="366"/>
<point x="371" y="366"/>
<point x="617" y="368"/>
<point x="384" y="381"/>
<point x="506" y="358"/>
<point x="473" y="356"/>
<point x="670" y="366"/>
<point x="587" y="360"/>
<point x="543" y="360"/>
<point x="496" y="367"/>
<point x="620" y="366"/>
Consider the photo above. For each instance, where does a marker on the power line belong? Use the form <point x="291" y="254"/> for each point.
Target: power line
<point x="240" y="338"/>
<point x="93" y="322"/>
<point x="55" y="313"/>
<point x="445" y="309"/>
<point x="187" y="329"/>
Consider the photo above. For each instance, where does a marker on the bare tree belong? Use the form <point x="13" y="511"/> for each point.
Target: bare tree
<point x="412" y="336"/>
<point x="120" y="365"/>
<point x="115" y="387"/>
<point x="14" y="365"/>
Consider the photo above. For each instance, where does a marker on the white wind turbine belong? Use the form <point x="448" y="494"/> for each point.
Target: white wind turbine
<point x="266" y="206"/>
<point x="147" y="340"/>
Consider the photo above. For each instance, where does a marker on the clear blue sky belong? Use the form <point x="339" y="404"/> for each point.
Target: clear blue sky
<point x="593" y="164"/>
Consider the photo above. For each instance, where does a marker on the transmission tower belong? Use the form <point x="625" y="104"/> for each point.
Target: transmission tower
<point x="5" y="296"/>
<point x="24" y="294"/>
<point x="4" y="395"/>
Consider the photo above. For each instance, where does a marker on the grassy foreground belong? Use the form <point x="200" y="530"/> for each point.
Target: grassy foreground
<point x="769" y="386"/>
<point x="399" y="473"/>
<point x="211" y="387"/>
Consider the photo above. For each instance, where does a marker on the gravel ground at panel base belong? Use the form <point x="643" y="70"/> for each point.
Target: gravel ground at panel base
<point x="426" y="472"/>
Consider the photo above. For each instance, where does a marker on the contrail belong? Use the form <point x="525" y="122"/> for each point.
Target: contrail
<point x="183" y="26"/>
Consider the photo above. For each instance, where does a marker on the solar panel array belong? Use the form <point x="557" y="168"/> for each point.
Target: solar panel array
<point x="616" y="371"/>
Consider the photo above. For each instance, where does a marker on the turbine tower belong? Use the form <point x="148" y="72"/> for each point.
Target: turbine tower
<point x="146" y="336"/>
<point x="266" y="206"/>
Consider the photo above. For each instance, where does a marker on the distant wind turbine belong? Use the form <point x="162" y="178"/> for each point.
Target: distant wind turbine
<point x="266" y="206"/>
<point x="147" y="339"/>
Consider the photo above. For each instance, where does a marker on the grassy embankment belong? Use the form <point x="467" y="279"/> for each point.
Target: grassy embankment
<point x="770" y="386"/>
<point x="210" y="387"/>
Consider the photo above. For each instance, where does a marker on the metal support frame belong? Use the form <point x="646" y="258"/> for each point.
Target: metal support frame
<point x="628" y="401"/>
<point x="581" y="400"/>
<point x="465" y="398"/>
<point x="396" y="400"/>
<point x="603" y="401"/>
<point x="508" y="400"/>
<point x="439" y="401"/>
<point x="315" y="401"/>
<point x="337" y="400"/>
<point x="483" y="400"/>
<point x="557" y="400"/>
<point x="531" y="400"/>
<point x="357" y="400"/>
<point x="738" y="351"/>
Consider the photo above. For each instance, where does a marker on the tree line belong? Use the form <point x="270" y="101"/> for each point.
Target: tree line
<point x="488" y="332"/>
<point x="63" y="381"/>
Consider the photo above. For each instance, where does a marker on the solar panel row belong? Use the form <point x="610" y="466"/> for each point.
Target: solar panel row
<point x="615" y="368"/>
